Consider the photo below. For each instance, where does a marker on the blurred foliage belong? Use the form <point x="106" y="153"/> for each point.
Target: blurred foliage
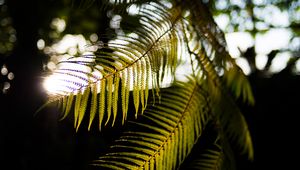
<point x="7" y="42"/>
<point x="258" y="17"/>
<point x="7" y="32"/>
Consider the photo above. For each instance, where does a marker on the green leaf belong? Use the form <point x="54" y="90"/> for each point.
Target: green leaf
<point x="94" y="105"/>
<point x="160" y="138"/>
<point x="135" y="61"/>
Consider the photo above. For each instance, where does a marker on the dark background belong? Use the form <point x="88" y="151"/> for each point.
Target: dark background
<point x="43" y="142"/>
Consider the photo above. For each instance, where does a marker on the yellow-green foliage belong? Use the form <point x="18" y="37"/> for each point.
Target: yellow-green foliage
<point x="164" y="135"/>
<point x="165" y="131"/>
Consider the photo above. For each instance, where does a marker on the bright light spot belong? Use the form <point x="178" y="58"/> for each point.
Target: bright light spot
<point x="94" y="47"/>
<point x="54" y="86"/>
<point x="70" y="41"/>
<point x="258" y="2"/>
<point x="272" y="40"/>
<point x="222" y="21"/>
<point x="6" y="86"/>
<point x="58" y="24"/>
<point x="117" y="42"/>
<point x="261" y="26"/>
<point x="115" y="22"/>
<point x="40" y="44"/>
<point x="272" y="15"/>
<point x="167" y="4"/>
<point x="244" y="65"/>
<point x="97" y="74"/>
<point x="65" y="80"/>
<point x="94" y="37"/>
<point x="4" y="70"/>
<point x="112" y="1"/>
<point x="295" y="43"/>
<point x="47" y="50"/>
<point x="72" y="51"/>
<point x="280" y="18"/>
<point x="222" y="4"/>
<point x="238" y="40"/>
<point x="133" y="9"/>
<point x="120" y="32"/>
<point x="279" y="62"/>
<point x="249" y="24"/>
<point x="261" y="61"/>
<point x="183" y="70"/>
<point x="51" y="65"/>
<point x="10" y="76"/>
<point x="133" y="35"/>
<point x="2" y="2"/>
<point x="238" y="3"/>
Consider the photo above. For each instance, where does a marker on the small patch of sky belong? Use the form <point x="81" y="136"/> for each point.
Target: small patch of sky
<point x="272" y="40"/>
<point x="261" y="61"/>
<point x="280" y="62"/>
<point x="238" y="41"/>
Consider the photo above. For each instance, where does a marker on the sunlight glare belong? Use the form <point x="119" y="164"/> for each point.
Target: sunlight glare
<point x="64" y="79"/>
<point x="63" y="82"/>
<point x="52" y="85"/>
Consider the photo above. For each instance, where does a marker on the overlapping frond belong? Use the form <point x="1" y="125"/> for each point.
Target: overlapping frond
<point x="164" y="135"/>
<point x="212" y="152"/>
<point x="211" y="158"/>
<point x="138" y="61"/>
<point x="239" y="84"/>
<point x="214" y="42"/>
<point x="222" y="104"/>
<point x="225" y="109"/>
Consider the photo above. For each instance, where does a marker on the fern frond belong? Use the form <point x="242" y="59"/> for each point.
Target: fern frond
<point x="164" y="135"/>
<point x="212" y="152"/>
<point x="222" y="105"/>
<point x="208" y="33"/>
<point x="130" y="62"/>
<point x="238" y="84"/>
